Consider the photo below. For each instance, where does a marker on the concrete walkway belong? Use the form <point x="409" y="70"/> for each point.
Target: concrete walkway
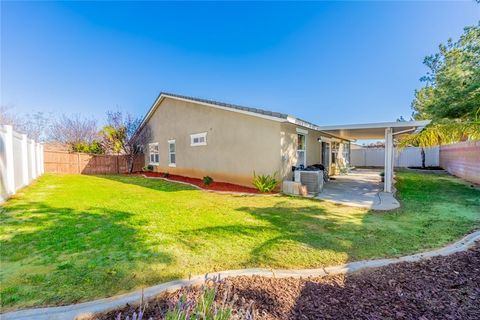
<point x="360" y="188"/>
<point x="77" y="311"/>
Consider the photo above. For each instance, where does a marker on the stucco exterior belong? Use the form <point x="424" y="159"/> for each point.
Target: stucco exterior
<point x="237" y="144"/>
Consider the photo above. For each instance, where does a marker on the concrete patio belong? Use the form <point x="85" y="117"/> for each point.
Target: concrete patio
<point x="360" y="188"/>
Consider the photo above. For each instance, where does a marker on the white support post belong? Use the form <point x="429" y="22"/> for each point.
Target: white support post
<point x="9" y="166"/>
<point x="25" y="178"/>
<point x="388" y="172"/>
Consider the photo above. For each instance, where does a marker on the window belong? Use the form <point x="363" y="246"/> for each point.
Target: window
<point x="154" y="153"/>
<point x="335" y="146"/>
<point x="172" y="161"/>
<point x="301" y="149"/>
<point x="198" y="139"/>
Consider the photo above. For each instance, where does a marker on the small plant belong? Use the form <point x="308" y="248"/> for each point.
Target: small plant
<point x="382" y="174"/>
<point x="166" y="174"/>
<point x="207" y="180"/>
<point x="209" y="306"/>
<point x="135" y="315"/>
<point x="266" y="182"/>
<point x="148" y="168"/>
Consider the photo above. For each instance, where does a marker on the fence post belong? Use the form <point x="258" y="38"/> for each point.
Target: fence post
<point x="37" y="158"/>
<point x="9" y="167"/>
<point x="42" y="160"/>
<point x="31" y="152"/>
<point x="24" y="157"/>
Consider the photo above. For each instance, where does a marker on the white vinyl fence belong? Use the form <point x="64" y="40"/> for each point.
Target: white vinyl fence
<point x="21" y="161"/>
<point x="408" y="157"/>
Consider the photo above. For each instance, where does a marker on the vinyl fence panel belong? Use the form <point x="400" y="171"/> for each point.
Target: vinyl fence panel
<point x="20" y="161"/>
<point x="408" y="157"/>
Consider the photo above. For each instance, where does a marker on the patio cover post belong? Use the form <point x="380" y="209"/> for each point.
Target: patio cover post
<point x="388" y="173"/>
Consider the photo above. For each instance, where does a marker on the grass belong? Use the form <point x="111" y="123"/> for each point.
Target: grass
<point x="72" y="238"/>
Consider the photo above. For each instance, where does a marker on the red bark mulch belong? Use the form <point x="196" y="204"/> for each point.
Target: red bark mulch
<point x="216" y="186"/>
<point x="444" y="287"/>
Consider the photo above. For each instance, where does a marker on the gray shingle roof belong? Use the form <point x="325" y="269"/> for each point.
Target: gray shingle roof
<point x="232" y="106"/>
<point x="243" y="108"/>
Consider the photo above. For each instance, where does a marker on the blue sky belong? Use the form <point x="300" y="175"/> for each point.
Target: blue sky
<point x="329" y="62"/>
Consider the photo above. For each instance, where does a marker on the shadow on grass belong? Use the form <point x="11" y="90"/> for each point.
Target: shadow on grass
<point x="308" y="226"/>
<point x="151" y="183"/>
<point x="54" y="255"/>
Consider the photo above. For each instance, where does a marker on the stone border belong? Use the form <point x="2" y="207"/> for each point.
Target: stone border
<point x="87" y="309"/>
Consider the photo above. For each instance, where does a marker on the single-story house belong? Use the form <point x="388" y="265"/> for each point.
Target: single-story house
<point x="197" y="137"/>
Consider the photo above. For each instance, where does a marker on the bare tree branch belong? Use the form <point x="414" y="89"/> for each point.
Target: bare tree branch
<point x="74" y="130"/>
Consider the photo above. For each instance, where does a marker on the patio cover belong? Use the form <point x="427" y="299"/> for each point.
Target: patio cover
<point x="381" y="130"/>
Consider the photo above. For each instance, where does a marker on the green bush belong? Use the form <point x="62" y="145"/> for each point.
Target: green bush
<point x="207" y="180"/>
<point x="148" y="168"/>
<point x="95" y="147"/>
<point x="266" y="182"/>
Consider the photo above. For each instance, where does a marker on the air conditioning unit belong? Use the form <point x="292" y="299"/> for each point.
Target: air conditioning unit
<point x="312" y="179"/>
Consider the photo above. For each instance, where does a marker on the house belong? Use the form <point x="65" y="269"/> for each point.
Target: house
<point x="197" y="137"/>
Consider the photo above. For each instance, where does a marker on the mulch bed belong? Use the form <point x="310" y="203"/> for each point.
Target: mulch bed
<point x="439" y="288"/>
<point x="216" y="186"/>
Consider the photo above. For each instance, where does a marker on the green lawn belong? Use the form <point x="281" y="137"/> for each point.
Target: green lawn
<point x="71" y="238"/>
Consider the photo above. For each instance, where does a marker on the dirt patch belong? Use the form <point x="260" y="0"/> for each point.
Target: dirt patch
<point x="438" y="288"/>
<point x="215" y="186"/>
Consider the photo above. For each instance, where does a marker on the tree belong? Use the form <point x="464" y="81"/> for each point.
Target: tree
<point x="123" y="134"/>
<point x="451" y="95"/>
<point x="6" y="117"/>
<point x="75" y="131"/>
<point x="34" y="125"/>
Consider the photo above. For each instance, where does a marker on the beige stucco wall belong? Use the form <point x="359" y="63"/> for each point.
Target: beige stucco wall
<point x="237" y="144"/>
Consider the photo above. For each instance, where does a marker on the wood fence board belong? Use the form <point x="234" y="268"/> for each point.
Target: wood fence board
<point x="82" y="163"/>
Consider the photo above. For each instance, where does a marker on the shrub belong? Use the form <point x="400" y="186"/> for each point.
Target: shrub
<point x="266" y="182"/>
<point x="207" y="180"/>
<point x="382" y="174"/>
<point x="148" y="168"/>
<point x="166" y="174"/>
<point x="94" y="147"/>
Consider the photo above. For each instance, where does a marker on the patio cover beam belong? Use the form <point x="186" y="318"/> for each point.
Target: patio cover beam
<point x="382" y="130"/>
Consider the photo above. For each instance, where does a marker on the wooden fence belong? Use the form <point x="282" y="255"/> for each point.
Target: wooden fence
<point x="82" y="163"/>
<point x="462" y="159"/>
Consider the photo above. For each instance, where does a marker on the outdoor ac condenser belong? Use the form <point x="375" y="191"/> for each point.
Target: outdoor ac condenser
<point x="312" y="179"/>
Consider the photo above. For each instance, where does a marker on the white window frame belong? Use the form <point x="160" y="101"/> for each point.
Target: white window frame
<point x="198" y="136"/>
<point x="304" y="150"/>
<point x="150" y="145"/>
<point x="170" y="163"/>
